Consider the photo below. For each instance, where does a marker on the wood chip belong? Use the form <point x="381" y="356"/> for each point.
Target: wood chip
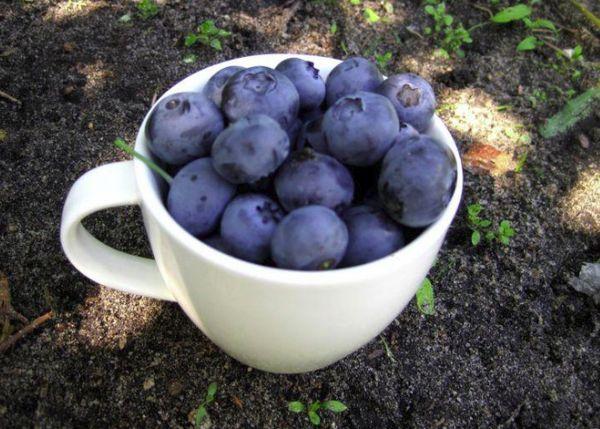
<point x="237" y="401"/>
<point x="69" y="47"/>
<point x="375" y="354"/>
<point x="148" y="383"/>
<point x="483" y="158"/>
<point x="584" y="141"/>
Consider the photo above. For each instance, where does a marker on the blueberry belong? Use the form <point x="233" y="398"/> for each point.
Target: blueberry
<point x="216" y="242"/>
<point x="309" y="238"/>
<point x="407" y="132"/>
<point x="371" y="235"/>
<point x="350" y="76"/>
<point x="412" y="97"/>
<point x="183" y="127"/>
<point x="198" y="196"/>
<point x="248" y="225"/>
<point x="214" y="87"/>
<point x="309" y="177"/>
<point x="417" y="180"/>
<point x="360" y="128"/>
<point x="293" y="132"/>
<point x="309" y="115"/>
<point x="250" y="149"/>
<point x="306" y="79"/>
<point x="261" y="90"/>
<point x="312" y="135"/>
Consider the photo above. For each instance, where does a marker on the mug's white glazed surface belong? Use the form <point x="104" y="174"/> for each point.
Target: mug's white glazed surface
<point x="282" y="320"/>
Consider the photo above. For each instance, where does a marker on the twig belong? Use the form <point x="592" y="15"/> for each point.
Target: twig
<point x="11" y="341"/>
<point x="513" y="416"/>
<point x="415" y="32"/>
<point x="6" y="309"/>
<point x="562" y="27"/>
<point x="9" y="97"/>
<point x="553" y="46"/>
<point x="483" y="8"/>
<point x="543" y="30"/>
<point x="481" y="24"/>
<point x="154" y="97"/>
<point x="588" y="14"/>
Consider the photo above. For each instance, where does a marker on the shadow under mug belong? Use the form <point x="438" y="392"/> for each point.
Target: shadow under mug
<point x="272" y="319"/>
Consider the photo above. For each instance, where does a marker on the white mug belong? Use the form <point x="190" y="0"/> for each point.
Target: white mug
<point x="272" y="319"/>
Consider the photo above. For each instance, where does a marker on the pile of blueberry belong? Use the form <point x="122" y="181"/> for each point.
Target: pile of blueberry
<point x="278" y="167"/>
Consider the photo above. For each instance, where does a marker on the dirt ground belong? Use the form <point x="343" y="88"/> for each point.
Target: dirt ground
<point x="510" y="345"/>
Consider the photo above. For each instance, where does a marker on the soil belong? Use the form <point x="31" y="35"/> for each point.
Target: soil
<point x="510" y="344"/>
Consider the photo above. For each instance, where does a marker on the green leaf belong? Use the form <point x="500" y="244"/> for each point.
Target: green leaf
<point x="200" y="415"/>
<point x="207" y="26"/>
<point x="489" y="236"/>
<point x="474" y="209"/>
<point x="442" y="53"/>
<point x="513" y="13"/>
<point x="430" y="10"/>
<point x="577" y="52"/>
<point x="371" y="16"/>
<point x="504" y="240"/>
<point x="296" y="406"/>
<point x="521" y="162"/>
<point x="485" y="223"/>
<point x="216" y="44"/>
<point x="314" y="418"/>
<point x="355" y="2"/>
<point x="335" y="406"/>
<point x="575" y="111"/>
<point x="314" y="406"/>
<point x="427" y="30"/>
<point x="506" y="229"/>
<point x="333" y="29"/>
<point x="475" y="238"/>
<point x="190" y="40"/>
<point x="425" y="298"/>
<point x="125" y="18"/>
<point x="190" y="58"/>
<point x="211" y="391"/>
<point x="527" y="44"/>
<point x="542" y="23"/>
<point x="448" y="20"/>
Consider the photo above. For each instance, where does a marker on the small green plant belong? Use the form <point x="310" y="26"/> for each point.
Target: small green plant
<point x="426" y="298"/>
<point x="207" y="34"/>
<point x="371" y="16"/>
<point x="388" y="351"/>
<point x="120" y="143"/>
<point x="201" y="412"/>
<point x="482" y="227"/>
<point x="355" y="2"/>
<point x="575" y="111"/>
<point x="521" y="162"/>
<point x="453" y="35"/>
<point x="147" y="9"/>
<point x="383" y="60"/>
<point x="333" y="29"/>
<point x="314" y="407"/>
<point x="535" y="38"/>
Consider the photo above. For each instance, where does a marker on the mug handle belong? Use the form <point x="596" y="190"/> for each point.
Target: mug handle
<point x="110" y="185"/>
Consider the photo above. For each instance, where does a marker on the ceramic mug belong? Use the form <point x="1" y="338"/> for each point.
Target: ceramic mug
<point x="272" y="319"/>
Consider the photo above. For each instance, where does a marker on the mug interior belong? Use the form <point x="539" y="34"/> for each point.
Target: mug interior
<point x="152" y="187"/>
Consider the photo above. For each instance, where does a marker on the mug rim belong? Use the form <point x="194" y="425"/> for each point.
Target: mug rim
<point x="152" y="201"/>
